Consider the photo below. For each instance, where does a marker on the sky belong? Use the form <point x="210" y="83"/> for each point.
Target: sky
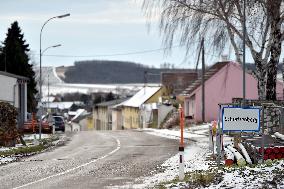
<point x="96" y="30"/>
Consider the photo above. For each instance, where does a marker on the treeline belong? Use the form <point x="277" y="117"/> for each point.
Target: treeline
<point x="107" y="72"/>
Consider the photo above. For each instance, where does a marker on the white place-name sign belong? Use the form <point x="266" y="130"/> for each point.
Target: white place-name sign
<point x="240" y="119"/>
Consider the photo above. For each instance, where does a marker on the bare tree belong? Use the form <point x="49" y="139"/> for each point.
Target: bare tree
<point x="220" y="22"/>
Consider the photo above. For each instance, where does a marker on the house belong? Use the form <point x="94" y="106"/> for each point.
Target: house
<point x="223" y="82"/>
<point x="106" y="114"/>
<point x="14" y="90"/>
<point x="62" y="107"/>
<point x="131" y="108"/>
<point x="116" y="114"/>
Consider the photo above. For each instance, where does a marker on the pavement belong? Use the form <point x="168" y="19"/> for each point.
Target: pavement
<point x="93" y="159"/>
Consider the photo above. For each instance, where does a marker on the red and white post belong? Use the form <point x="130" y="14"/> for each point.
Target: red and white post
<point x="181" y="146"/>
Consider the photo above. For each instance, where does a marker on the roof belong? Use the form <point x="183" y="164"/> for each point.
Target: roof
<point x="141" y="97"/>
<point x="61" y="105"/>
<point x="48" y="99"/>
<point x="208" y="74"/>
<point x="112" y="102"/>
<point x="14" y="75"/>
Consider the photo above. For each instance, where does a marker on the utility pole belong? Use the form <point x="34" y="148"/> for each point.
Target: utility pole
<point x="203" y="80"/>
<point x="244" y="53"/>
<point x="202" y="50"/>
<point x="145" y="81"/>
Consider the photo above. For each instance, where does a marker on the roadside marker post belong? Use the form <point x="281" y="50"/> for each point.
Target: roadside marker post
<point x="181" y="146"/>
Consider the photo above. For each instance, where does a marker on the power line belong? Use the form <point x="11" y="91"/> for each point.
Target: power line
<point x="116" y="54"/>
<point x="108" y="55"/>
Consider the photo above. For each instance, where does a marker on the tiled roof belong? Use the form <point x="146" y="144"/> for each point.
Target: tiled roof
<point x="208" y="74"/>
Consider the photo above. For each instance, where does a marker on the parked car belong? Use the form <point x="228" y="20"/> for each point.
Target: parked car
<point x="59" y="123"/>
<point x="32" y="125"/>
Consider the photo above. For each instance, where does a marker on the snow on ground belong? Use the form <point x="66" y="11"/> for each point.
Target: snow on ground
<point x="5" y="160"/>
<point x="262" y="176"/>
<point x="175" y="134"/>
<point x="36" y="136"/>
<point x="196" y="153"/>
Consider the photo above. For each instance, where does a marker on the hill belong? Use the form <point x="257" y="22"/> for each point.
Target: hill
<point x="107" y="72"/>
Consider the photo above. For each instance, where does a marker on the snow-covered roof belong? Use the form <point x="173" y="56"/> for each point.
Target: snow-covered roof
<point x="141" y="97"/>
<point x="61" y="105"/>
<point x="111" y="102"/>
<point x="48" y="99"/>
<point x="78" y="113"/>
<point x="14" y="76"/>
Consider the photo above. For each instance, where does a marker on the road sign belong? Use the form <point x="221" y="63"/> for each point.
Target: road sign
<point x="240" y="119"/>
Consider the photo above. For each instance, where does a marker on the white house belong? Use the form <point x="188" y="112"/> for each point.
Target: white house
<point x="13" y="89"/>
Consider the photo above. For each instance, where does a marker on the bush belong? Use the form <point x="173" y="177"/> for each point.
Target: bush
<point x="8" y="129"/>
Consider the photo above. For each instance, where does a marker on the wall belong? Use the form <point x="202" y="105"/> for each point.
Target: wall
<point x="7" y="90"/>
<point x="116" y="119"/>
<point x="163" y="111"/>
<point x="100" y="118"/>
<point x="130" y="117"/>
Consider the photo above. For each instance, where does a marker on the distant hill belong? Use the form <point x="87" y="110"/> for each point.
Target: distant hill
<point x="110" y="72"/>
<point x="107" y="72"/>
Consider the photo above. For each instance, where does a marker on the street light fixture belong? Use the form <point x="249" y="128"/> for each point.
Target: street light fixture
<point x="40" y="71"/>
<point x="53" y="46"/>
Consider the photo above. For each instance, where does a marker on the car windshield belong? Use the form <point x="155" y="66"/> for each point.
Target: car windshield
<point x="58" y="119"/>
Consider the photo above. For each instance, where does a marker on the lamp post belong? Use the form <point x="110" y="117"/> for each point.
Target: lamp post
<point x="40" y="73"/>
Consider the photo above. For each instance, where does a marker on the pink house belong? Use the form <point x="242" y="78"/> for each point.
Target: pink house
<point x="223" y="82"/>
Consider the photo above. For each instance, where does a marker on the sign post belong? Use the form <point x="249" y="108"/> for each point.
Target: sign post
<point x="181" y="146"/>
<point x="237" y="119"/>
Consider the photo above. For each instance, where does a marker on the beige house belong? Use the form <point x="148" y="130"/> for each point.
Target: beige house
<point x="106" y="116"/>
<point x="131" y="109"/>
<point x="117" y="123"/>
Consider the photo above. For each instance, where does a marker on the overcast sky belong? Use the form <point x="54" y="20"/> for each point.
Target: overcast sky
<point x="95" y="27"/>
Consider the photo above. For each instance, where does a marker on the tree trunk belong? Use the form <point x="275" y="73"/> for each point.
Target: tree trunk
<point x="271" y="80"/>
<point x="261" y="79"/>
<point x="275" y="51"/>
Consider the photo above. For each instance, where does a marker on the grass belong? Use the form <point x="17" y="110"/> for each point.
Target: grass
<point x="28" y="150"/>
<point x="23" y="150"/>
<point x="195" y="179"/>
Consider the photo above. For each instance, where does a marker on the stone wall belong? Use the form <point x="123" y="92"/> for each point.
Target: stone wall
<point x="273" y="113"/>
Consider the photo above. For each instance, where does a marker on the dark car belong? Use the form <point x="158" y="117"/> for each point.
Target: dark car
<point x="59" y="123"/>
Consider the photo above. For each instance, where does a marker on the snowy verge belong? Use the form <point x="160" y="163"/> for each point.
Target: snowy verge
<point x="196" y="159"/>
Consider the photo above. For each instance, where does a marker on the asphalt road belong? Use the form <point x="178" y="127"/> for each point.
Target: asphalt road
<point x="92" y="159"/>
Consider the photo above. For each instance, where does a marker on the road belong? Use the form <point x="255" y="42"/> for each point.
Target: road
<point x="92" y="159"/>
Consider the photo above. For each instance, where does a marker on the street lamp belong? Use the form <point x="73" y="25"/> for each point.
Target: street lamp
<point x="40" y="73"/>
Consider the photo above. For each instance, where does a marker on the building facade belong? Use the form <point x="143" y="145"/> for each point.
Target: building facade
<point x="14" y="91"/>
<point x="131" y="113"/>
<point x="223" y="82"/>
